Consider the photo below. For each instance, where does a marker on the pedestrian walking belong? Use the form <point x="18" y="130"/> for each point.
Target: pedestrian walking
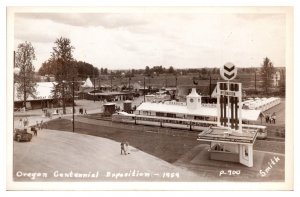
<point x="37" y="124"/>
<point x="123" y="148"/>
<point x="20" y="123"/>
<point x="85" y="111"/>
<point x="274" y="117"/>
<point x="127" y="147"/>
<point x="25" y="122"/>
<point x="41" y="125"/>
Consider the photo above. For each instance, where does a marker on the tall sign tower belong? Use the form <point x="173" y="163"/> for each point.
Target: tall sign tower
<point x="229" y="99"/>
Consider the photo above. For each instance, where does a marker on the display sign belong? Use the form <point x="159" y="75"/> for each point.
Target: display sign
<point x="228" y="93"/>
<point x="226" y="139"/>
<point x="228" y="71"/>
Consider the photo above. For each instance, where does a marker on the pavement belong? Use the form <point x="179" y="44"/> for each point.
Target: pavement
<point x="65" y="156"/>
<point x="264" y="166"/>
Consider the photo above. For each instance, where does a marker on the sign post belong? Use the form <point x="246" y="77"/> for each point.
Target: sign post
<point x="229" y="99"/>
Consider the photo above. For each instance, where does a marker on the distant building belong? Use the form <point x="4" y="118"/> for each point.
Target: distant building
<point x="276" y="79"/>
<point x="192" y="109"/>
<point x="208" y="94"/>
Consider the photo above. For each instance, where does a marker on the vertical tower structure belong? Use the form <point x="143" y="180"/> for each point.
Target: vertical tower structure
<point x="193" y="100"/>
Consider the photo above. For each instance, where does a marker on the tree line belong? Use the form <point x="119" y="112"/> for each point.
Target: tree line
<point x="68" y="71"/>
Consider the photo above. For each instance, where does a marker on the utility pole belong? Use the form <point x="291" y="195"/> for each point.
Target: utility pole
<point x="144" y="89"/>
<point x="255" y="80"/>
<point x="73" y="104"/>
<point x="99" y="84"/>
<point x="64" y="104"/>
<point x="129" y="79"/>
<point x="111" y="82"/>
<point x="94" y="88"/>
<point x="210" y="87"/>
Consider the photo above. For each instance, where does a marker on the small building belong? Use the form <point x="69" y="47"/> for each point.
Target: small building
<point x="127" y="106"/>
<point x="42" y="99"/>
<point x="109" y="109"/>
<point x="276" y="78"/>
<point x="192" y="109"/>
<point x="207" y="92"/>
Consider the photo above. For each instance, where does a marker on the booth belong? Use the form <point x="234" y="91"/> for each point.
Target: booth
<point x="229" y="140"/>
<point x="230" y="145"/>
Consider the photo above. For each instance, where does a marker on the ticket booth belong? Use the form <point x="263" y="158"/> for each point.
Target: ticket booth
<point x="230" y="146"/>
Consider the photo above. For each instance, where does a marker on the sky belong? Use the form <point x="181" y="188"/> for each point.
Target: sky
<point x="136" y="40"/>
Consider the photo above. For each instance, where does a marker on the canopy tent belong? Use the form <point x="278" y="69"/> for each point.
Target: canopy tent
<point x="88" y="83"/>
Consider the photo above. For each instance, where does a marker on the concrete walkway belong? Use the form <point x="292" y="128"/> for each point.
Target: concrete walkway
<point x="66" y="156"/>
<point x="265" y="167"/>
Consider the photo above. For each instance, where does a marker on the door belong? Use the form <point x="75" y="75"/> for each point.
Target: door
<point x="246" y="155"/>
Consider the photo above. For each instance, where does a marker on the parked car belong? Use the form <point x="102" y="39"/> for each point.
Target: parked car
<point x="21" y="135"/>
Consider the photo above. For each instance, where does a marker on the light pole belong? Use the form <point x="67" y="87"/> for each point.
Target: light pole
<point x="111" y="82"/>
<point x="94" y="89"/>
<point x="255" y="81"/>
<point x="144" y="88"/>
<point x="63" y="95"/>
<point x="73" y="111"/>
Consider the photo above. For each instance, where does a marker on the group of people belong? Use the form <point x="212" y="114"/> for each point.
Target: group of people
<point x="270" y="118"/>
<point x="38" y="126"/>
<point x="124" y="148"/>
<point x="23" y="122"/>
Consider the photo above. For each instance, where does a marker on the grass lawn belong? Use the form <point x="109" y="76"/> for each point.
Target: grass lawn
<point x="167" y="147"/>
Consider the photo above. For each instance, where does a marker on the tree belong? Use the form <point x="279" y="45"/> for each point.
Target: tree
<point x="171" y="70"/>
<point x="147" y="71"/>
<point x="64" y="71"/>
<point x="267" y="71"/>
<point x="23" y="60"/>
<point x="282" y="82"/>
<point x="105" y="72"/>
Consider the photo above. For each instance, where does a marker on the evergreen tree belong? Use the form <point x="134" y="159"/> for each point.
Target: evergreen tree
<point x="64" y="70"/>
<point x="25" y="79"/>
<point x="267" y="72"/>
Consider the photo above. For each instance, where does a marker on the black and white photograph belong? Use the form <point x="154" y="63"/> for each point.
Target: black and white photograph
<point x="150" y="98"/>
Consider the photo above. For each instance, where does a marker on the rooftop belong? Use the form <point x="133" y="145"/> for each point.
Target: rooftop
<point x="251" y="115"/>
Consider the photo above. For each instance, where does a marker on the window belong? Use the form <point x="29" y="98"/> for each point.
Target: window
<point x="191" y="100"/>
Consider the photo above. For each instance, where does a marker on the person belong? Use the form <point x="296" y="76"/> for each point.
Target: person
<point x="25" y="122"/>
<point x="267" y="117"/>
<point x="37" y="124"/>
<point x="20" y="122"/>
<point x="270" y="119"/>
<point x="41" y="125"/>
<point x="127" y="147"/>
<point x="274" y="117"/>
<point x="85" y="111"/>
<point x="123" y="148"/>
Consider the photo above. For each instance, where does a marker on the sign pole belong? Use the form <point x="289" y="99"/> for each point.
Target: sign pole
<point x="228" y="102"/>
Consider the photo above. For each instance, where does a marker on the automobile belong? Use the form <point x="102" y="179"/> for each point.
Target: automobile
<point x="21" y="135"/>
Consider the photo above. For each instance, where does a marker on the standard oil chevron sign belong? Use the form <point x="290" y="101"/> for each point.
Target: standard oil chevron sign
<point x="228" y="71"/>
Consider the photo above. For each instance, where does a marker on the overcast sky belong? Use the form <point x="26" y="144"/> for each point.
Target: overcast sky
<point x="186" y="40"/>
